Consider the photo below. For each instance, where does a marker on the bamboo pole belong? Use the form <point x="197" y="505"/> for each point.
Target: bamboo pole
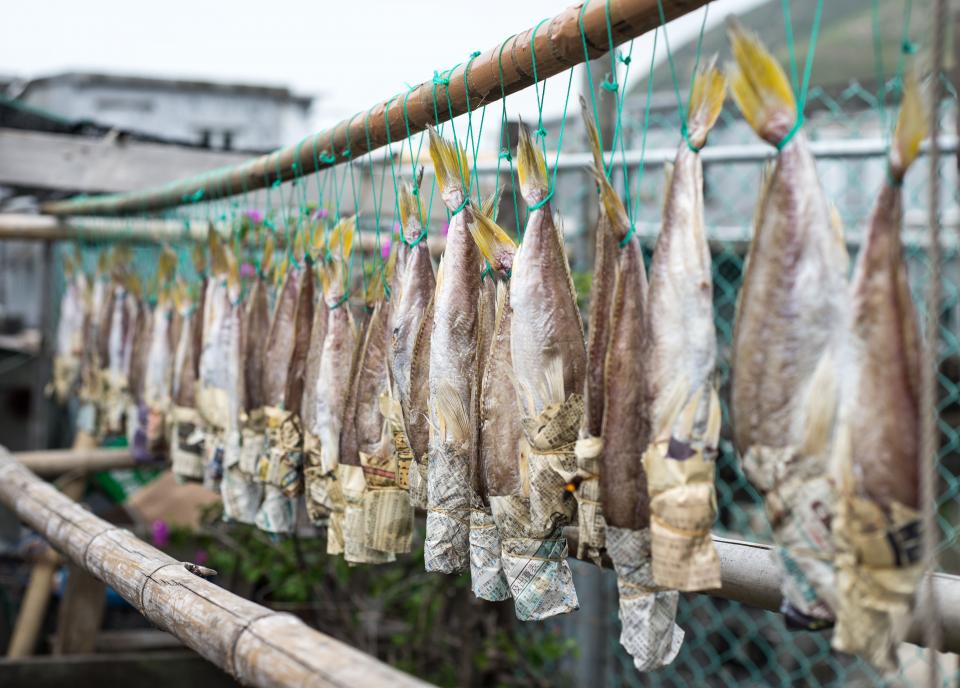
<point x="558" y="44"/>
<point x="254" y="644"/>
<point x="54" y="462"/>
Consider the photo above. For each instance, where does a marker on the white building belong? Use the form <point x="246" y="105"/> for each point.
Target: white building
<point x="218" y="115"/>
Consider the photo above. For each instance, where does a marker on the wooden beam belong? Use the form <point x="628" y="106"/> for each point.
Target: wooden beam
<point x="53" y="462"/>
<point x="557" y="44"/>
<point x="254" y="644"/>
<point x="40" y="160"/>
<point x="80" y="613"/>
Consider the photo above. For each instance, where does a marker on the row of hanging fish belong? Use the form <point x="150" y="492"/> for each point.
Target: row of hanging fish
<point x="472" y="393"/>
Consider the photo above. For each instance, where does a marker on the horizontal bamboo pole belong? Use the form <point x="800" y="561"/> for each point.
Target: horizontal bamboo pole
<point x="53" y="462"/>
<point x="256" y="645"/>
<point x="749" y="575"/>
<point x="557" y="44"/>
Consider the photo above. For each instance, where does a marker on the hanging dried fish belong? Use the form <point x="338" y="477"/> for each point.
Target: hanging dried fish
<point x="74" y="307"/>
<point x="412" y="313"/>
<point x="322" y="439"/>
<point x="186" y="431"/>
<point x="879" y="460"/>
<point x="280" y="467"/>
<point x="788" y="327"/>
<point x="453" y="370"/>
<point x="125" y="311"/>
<point x="680" y="356"/>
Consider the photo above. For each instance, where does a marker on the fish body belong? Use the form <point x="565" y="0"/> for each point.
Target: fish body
<point x="256" y="328"/>
<point x="546" y="321"/>
<point x="680" y="357"/>
<point x="281" y="340"/>
<point x="453" y="370"/>
<point x="878" y="459"/>
<point x="788" y="333"/>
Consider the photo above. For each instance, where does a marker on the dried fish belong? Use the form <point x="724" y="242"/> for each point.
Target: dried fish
<point x="788" y="328"/>
<point x="186" y="440"/>
<point x="680" y="356"/>
<point x="453" y="370"/>
<point x="74" y="307"/>
<point x="878" y="461"/>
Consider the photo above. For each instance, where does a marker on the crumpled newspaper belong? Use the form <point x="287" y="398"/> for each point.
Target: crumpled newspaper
<point x="316" y="481"/>
<point x="186" y="444"/>
<point x="279" y="468"/>
<point x="590" y="521"/>
<point x="417" y="479"/>
<point x="551" y="461"/>
<point x="388" y="514"/>
<point x="446" y="548"/>
<point x="680" y="464"/>
<point x="355" y="551"/>
<point x="214" y="446"/>
<point x="799" y="500"/>
<point x="241" y="494"/>
<point x="647" y="628"/>
<point x="114" y="402"/>
<point x="879" y="567"/>
<point x="487" y="578"/>
<point x="66" y="375"/>
<point x="534" y="561"/>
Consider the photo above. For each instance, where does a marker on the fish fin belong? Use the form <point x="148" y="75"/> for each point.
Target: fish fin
<point x="319" y="242"/>
<point x="836" y="226"/>
<point x="531" y="168"/>
<point x="551" y="391"/>
<point x="911" y="128"/>
<point x="609" y="198"/>
<point x="593" y="135"/>
<point x="269" y="248"/>
<point x="449" y="163"/>
<point x="410" y="211"/>
<point x="490" y="205"/>
<point x="374" y="291"/>
<point x="348" y="229"/>
<point x="452" y="415"/>
<point x="706" y="101"/>
<point x="760" y="86"/>
<point x="667" y="182"/>
<point x="821" y="408"/>
<point x="494" y="243"/>
<point x="391" y="265"/>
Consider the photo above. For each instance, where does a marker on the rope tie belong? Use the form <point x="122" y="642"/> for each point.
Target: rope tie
<point x="542" y="202"/>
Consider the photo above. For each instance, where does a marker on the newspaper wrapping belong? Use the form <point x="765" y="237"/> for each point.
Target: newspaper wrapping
<point x="240" y="493"/>
<point x="590" y="521"/>
<point x="279" y="468"/>
<point x="680" y="465"/>
<point x="89" y="416"/>
<point x="418" y="482"/>
<point x="799" y="505"/>
<point x="552" y="437"/>
<point x="647" y="628"/>
<point x="316" y="481"/>
<point x="486" y="568"/>
<point x="534" y="561"/>
<point x="186" y="444"/>
<point x="388" y="514"/>
<point x="879" y="566"/>
<point x="213" y="449"/>
<point x="447" y="545"/>
<point x="213" y="404"/>
<point x="355" y="551"/>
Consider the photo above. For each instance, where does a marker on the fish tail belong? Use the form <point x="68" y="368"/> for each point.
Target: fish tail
<point x="449" y="163"/>
<point x="911" y="128"/>
<point x="410" y="213"/>
<point x="706" y="101"/>
<point x="612" y="205"/>
<point x="760" y="86"/>
<point x="531" y="168"/>
<point x="490" y="205"/>
<point x="493" y="241"/>
<point x="341" y="238"/>
<point x="452" y="416"/>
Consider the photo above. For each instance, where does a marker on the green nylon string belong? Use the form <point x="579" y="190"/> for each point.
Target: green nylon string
<point x="473" y="141"/>
<point x="800" y="88"/>
<point x="681" y="108"/>
<point x="504" y="153"/>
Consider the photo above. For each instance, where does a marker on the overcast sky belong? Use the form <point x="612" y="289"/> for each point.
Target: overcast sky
<point x="348" y="53"/>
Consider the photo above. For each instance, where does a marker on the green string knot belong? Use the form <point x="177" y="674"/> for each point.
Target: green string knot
<point x="609" y="84"/>
<point x="345" y="153"/>
<point x="908" y="48"/>
<point x="195" y="197"/>
<point x="415" y="242"/>
<point x="790" y="134"/>
<point x="416" y="191"/>
<point x="626" y="239"/>
<point x="326" y="158"/>
<point x="505" y="155"/>
<point x="440" y="80"/>
<point x="540" y="132"/>
<point x="460" y="207"/>
<point x="276" y="183"/>
<point x="686" y="137"/>
<point x="624" y="59"/>
<point x="475" y="53"/>
<point x="342" y="300"/>
<point x="542" y="202"/>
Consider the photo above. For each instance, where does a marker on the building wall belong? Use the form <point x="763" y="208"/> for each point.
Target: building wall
<point x="221" y="120"/>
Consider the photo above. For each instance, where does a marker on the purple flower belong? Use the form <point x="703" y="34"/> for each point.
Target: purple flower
<point x="385" y="248"/>
<point x="397" y="228"/>
<point x="248" y="271"/>
<point x="254" y="215"/>
<point x="321" y="213"/>
<point x="200" y="557"/>
<point x="161" y="534"/>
